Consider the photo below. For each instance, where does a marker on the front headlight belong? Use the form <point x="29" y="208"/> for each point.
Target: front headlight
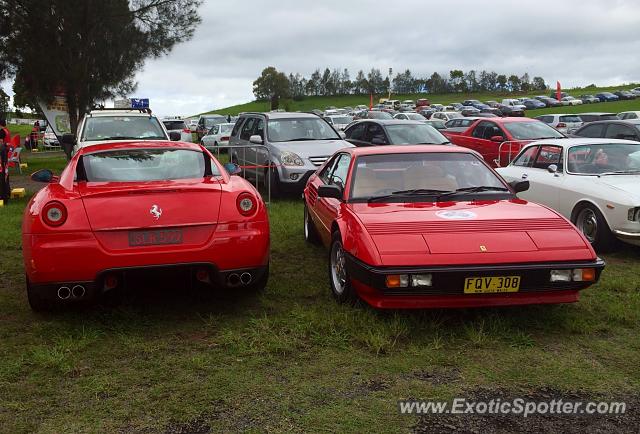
<point x="634" y="214"/>
<point x="291" y="159"/>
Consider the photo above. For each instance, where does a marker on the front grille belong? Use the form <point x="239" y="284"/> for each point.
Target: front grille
<point x="318" y="161"/>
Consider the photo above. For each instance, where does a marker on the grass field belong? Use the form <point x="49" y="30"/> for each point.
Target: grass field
<point x="291" y="359"/>
<point x="320" y="102"/>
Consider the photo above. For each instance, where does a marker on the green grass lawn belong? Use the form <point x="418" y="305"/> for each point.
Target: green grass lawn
<point x="291" y="359"/>
<point x="321" y="102"/>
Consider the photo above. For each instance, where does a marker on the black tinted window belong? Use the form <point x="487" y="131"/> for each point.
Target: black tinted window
<point x="591" y="130"/>
<point x="236" y="127"/>
<point x="247" y="129"/>
<point x="356" y="132"/>
<point x="618" y="131"/>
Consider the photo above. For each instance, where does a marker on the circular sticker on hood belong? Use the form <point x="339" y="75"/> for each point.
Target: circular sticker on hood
<point x="456" y="215"/>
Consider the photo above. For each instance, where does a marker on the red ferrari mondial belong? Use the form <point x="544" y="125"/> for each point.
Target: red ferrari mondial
<point x="434" y="226"/>
<point x="149" y="207"/>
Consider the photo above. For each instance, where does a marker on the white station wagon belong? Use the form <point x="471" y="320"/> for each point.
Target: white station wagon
<point x="593" y="182"/>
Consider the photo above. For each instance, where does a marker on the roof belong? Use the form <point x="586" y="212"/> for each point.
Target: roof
<point x="407" y="149"/>
<point x="391" y="121"/>
<point x="283" y="115"/>
<point x="633" y="122"/>
<point x="568" y="142"/>
<point x="146" y="144"/>
<point x="119" y="112"/>
<point x="595" y="113"/>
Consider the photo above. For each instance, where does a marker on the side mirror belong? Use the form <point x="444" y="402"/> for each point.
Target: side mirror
<point x="330" y="191"/>
<point x="377" y="141"/>
<point x="255" y="139"/>
<point x="174" y="136"/>
<point x="497" y="139"/>
<point x="232" y="168"/>
<point x="42" y="175"/>
<point x="519" y="186"/>
<point x="552" y="168"/>
<point x="342" y="134"/>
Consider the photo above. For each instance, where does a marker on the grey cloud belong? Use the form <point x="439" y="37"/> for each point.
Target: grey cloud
<point x="576" y="42"/>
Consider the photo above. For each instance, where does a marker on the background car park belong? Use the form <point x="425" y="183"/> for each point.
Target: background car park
<point x="285" y="147"/>
<point x="339" y="122"/>
<point x="569" y="100"/>
<point x="393" y="132"/>
<point x="409" y="117"/>
<point x="629" y="115"/>
<point x="218" y="136"/>
<point x="613" y="129"/>
<point x="177" y="125"/>
<point x="589" y="99"/>
<point x="597" y="116"/>
<point x="565" y="123"/>
<point x="205" y="122"/>
<point x="607" y="96"/>
<point x="446" y="116"/>
<point x="625" y="94"/>
<point x="113" y="125"/>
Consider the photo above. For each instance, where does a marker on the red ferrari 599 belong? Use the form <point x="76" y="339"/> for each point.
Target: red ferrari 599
<point x="141" y="207"/>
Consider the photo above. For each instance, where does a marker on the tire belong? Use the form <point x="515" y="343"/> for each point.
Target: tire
<point x="310" y="231"/>
<point x="590" y="221"/>
<point x="341" y="287"/>
<point x="37" y="304"/>
<point x="276" y="191"/>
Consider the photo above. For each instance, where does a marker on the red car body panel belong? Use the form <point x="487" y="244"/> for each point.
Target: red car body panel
<point x="488" y="148"/>
<point x="514" y="234"/>
<point x="95" y="235"/>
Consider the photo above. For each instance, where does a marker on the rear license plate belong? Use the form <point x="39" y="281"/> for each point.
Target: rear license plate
<point x="485" y="285"/>
<point x="155" y="238"/>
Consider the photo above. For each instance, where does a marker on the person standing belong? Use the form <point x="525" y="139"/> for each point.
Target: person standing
<point x="5" y="137"/>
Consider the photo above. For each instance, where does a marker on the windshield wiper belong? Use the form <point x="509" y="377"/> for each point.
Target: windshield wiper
<point x="476" y="189"/>
<point x="621" y="172"/>
<point x="413" y="192"/>
<point x="300" y="139"/>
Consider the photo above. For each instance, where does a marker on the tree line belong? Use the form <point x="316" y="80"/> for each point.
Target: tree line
<point x="274" y="84"/>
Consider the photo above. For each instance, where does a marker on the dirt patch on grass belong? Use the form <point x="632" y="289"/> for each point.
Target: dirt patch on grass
<point x="534" y="423"/>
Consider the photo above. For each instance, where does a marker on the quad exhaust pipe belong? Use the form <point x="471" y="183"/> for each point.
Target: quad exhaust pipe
<point x="245" y="278"/>
<point x="78" y="291"/>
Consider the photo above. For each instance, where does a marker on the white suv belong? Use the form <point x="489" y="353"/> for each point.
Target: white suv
<point x="179" y="126"/>
<point x="115" y="125"/>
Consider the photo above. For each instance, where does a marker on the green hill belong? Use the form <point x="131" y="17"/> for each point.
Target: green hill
<point x="321" y="102"/>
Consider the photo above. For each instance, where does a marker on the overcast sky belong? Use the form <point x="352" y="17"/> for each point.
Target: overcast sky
<point x="577" y="42"/>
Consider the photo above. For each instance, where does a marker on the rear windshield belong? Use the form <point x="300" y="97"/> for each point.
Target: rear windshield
<point x="570" y="119"/>
<point x="209" y="122"/>
<point x="174" y="125"/>
<point x="131" y="165"/>
<point x="122" y="128"/>
<point x="531" y="130"/>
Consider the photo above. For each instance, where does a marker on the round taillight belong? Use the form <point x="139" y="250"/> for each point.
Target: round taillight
<point x="246" y="204"/>
<point x="54" y="214"/>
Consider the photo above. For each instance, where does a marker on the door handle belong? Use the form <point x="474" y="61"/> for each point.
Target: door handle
<point x="525" y="176"/>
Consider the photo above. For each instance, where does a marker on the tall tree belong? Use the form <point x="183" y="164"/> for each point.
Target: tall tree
<point x="501" y="81"/>
<point x="375" y="81"/>
<point x="538" y="83"/>
<point x="514" y="83"/>
<point x="89" y="49"/>
<point x="360" y="85"/>
<point x="457" y="80"/>
<point x="271" y="85"/>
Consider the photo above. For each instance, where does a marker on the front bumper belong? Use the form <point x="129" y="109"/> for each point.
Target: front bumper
<point x="628" y="237"/>
<point x="297" y="185"/>
<point x="448" y="283"/>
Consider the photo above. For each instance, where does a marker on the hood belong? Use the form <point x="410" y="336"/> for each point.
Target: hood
<point x="310" y="148"/>
<point x="625" y="183"/>
<point x="481" y="232"/>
